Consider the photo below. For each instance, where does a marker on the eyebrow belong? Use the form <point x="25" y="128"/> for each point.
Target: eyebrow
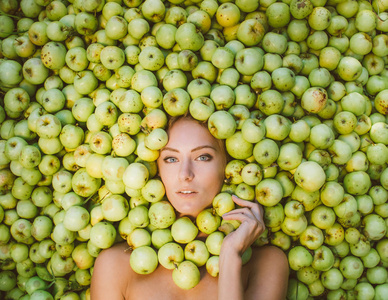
<point x="193" y="150"/>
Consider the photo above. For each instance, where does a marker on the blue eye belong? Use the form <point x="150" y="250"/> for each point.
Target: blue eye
<point x="205" y="157"/>
<point x="170" y="159"/>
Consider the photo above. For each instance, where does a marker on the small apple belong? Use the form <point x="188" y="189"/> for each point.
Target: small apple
<point x="183" y="230"/>
<point x="186" y="275"/>
<point x="143" y="260"/>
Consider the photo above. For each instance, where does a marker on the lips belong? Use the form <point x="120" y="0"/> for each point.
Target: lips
<point x="186" y="192"/>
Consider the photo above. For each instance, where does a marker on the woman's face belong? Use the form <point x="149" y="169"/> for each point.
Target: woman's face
<point x="192" y="167"/>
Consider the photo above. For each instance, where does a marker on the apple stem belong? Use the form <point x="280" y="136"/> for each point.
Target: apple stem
<point x="52" y="276"/>
<point x="369" y="141"/>
<point x="18" y="32"/>
<point x="176" y="266"/>
<point x="378" y="11"/>
<point x="91" y="196"/>
<point x="8" y="15"/>
<point x="271" y="166"/>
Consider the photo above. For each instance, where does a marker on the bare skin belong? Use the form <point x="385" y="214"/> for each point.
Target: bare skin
<point x="187" y="165"/>
<point x="264" y="277"/>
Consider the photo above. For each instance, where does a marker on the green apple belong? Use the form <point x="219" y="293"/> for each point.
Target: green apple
<point x="188" y="37"/>
<point x="103" y="235"/>
<point x="161" y="214"/>
<point x="186" y="275"/>
<point x="170" y="255"/>
<point x="183" y="230"/>
<point x="143" y="260"/>
<point x="221" y="124"/>
<point x="208" y="221"/>
<point x="299" y="257"/>
<point x="196" y="251"/>
<point x="238" y="147"/>
<point x="269" y="192"/>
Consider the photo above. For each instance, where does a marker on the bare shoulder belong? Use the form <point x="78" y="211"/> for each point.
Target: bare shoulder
<point x="116" y="257"/>
<point x="270" y="254"/>
<point x="111" y="269"/>
<point x="114" y="253"/>
<point x="268" y="273"/>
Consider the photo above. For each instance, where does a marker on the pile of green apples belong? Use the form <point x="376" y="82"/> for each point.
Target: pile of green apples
<point x="298" y="89"/>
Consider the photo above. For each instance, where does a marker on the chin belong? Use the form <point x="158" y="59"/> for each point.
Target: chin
<point x="190" y="211"/>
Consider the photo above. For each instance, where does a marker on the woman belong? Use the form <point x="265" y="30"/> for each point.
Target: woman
<point x="191" y="167"/>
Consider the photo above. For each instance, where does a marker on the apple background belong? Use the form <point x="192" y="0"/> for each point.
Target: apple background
<point x="297" y="88"/>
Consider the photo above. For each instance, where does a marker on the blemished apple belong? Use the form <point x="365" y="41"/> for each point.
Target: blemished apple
<point x="351" y="267"/>
<point x="138" y="216"/>
<point x="170" y="255"/>
<point x="221" y="124"/>
<point x="223" y="203"/>
<point x="310" y="176"/>
<point x="161" y="214"/>
<point x="245" y="191"/>
<point x="196" y="251"/>
<point x="208" y="221"/>
<point x="323" y="259"/>
<point x="139" y="237"/>
<point x="273" y="215"/>
<point x="269" y="192"/>
<point x="299" y="257"/>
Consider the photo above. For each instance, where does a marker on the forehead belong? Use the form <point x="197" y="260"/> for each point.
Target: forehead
<point x="189" y="133"/>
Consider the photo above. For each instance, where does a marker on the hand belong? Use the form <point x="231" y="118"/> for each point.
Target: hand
<point x="252" y="225"/>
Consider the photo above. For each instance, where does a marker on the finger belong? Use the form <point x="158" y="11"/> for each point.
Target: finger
<point x="242" y="202"/>
<point x="243" y="212"/>
<point x="256" y="208"/>
<point x="246" y="211"/>
<point x="251" y="221"/>
<point x="243" y="218"/>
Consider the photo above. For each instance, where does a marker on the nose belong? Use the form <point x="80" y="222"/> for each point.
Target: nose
<point x="186" y="172"/>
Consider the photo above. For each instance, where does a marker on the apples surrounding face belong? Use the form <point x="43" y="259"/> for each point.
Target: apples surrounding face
<point x="298" y="91"/>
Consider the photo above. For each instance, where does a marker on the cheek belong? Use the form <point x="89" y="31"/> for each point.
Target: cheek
<point x="221" y="170"/>
<point x="165" y="176"/>
<point x="215" y="179"/>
